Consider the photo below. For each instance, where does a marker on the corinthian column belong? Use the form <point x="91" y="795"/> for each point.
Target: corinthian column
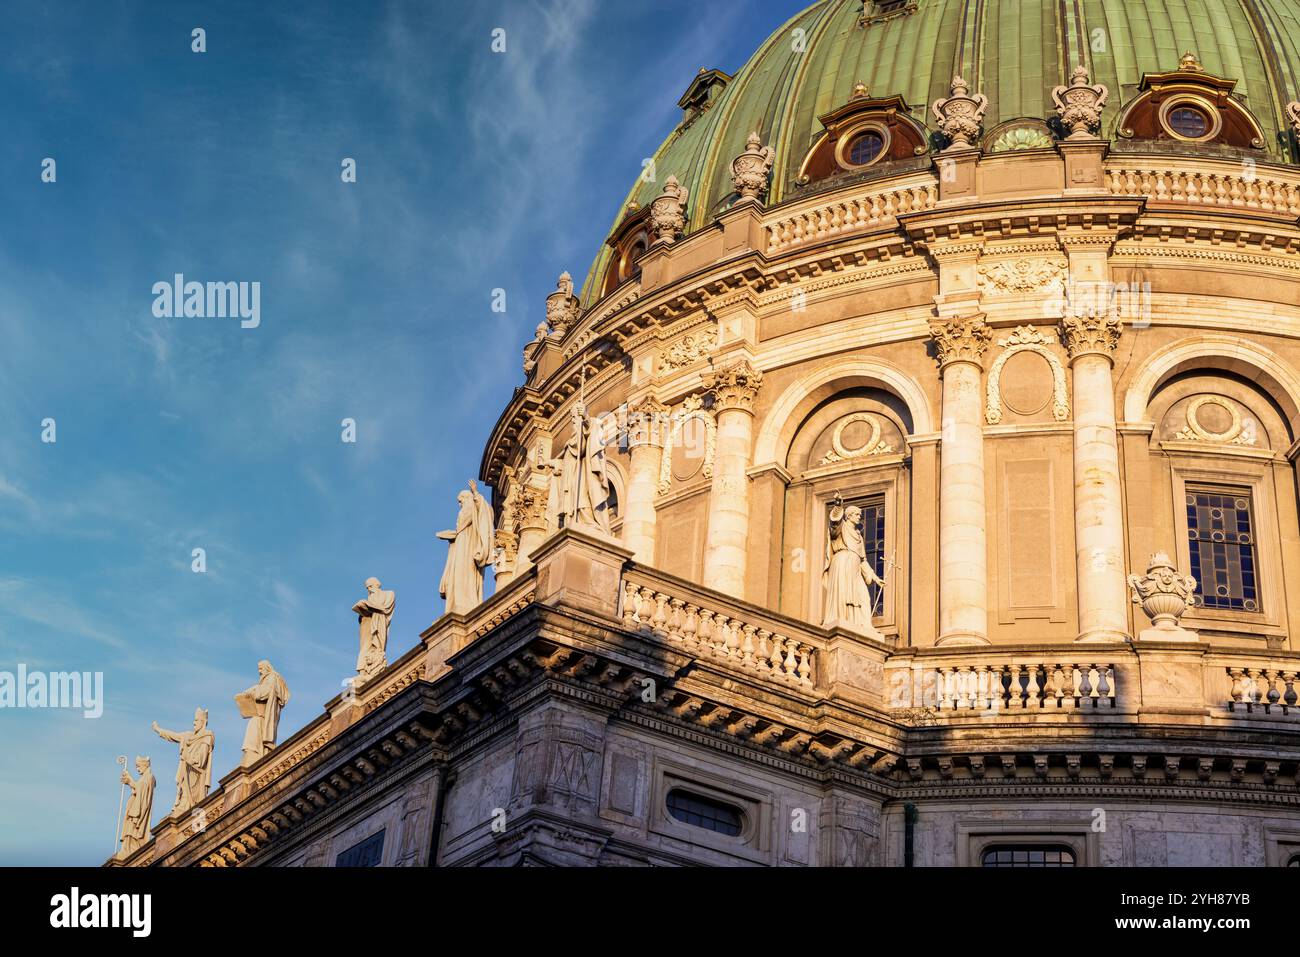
<point x="1098" y="509"/>
<point x="963" y="552"/>
<point x="646" y="440"/>
<point x="734" y="387"/>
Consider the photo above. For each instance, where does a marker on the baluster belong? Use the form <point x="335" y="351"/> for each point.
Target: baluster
<point x="629" y="605"/>
<point x="1238" y="691"/>
<point x="805" y="664"/>
<point x="943" y="682"/>
<point x="661" y="613"/>
<point x="1271" y="681"/>
<point x="762" y="654"/>
<point x="791" y="662"/>
<point x="959" y="688"/>
<point x="1289" y="698"/>
<point x="747" y="647"/>
<point x="704" y="636"/>
<point x="1014" y="691"/>
<point x="1106" y="686"/>
<point x="733" y="638"/>
<point x="778" y="656"/>
<point x="690" y="626"/>
<point x="1033" y="692"/>
<point x="1085" y="685"/>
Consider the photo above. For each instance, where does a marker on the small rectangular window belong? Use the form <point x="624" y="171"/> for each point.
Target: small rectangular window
<point x="369" y="853"/>
<point x="1027" y="855"/>
<point x="1221" y="545"/>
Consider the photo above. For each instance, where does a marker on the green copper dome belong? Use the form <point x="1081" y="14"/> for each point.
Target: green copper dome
<point x="1012" y="51"/>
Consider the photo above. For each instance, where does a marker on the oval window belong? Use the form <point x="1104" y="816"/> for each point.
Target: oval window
<point x="699" y="811"/>
<point x="865" y="148"/>
<point x="1189" y="122"/>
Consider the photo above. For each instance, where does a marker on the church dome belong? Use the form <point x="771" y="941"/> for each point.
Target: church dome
<point x="1015" y="53"/>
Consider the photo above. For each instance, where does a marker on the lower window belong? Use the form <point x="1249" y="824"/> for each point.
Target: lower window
<point x="1027" y="855"/>
<point x="369" y="853"/>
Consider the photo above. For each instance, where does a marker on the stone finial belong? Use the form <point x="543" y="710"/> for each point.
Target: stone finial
<point x="562" y="305"/>
<point x="961" y="116"/>
<point x="860" y="92"/>
<point x="668" y="212"/>
<point x="1164" y="595"/>
<point x="734" y="385"/>
<point x="1293" y="114"/>
<point x="1080" y="104"/>
<point x="960" y="339"/>
<point x="749" y="170"/>
<point x="1189" y="64"/>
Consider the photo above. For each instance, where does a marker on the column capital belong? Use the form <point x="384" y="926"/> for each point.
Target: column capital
<point x="646" y="422"/>
<point x="734" y="385"/>
<point x="1087" y="333"/>
<point x="960" y="339"/>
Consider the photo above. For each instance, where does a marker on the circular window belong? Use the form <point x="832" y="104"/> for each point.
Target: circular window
<point x="865" y="148"/>
<point x="1190" y="119"/>
<point x="862" y="146"/>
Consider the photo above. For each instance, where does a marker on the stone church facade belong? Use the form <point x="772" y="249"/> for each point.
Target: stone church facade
<point x="1036" y="328"/>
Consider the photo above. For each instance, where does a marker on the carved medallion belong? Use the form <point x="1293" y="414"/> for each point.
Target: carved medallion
<point x="1026" y="339"/>
<point x="874" y="445"/>
<point x="1198" y="429"/>
<point x="692" y="408"/>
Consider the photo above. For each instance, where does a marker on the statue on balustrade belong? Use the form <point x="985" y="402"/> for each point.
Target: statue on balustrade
<point x="194" y="772"/>
<point x="848" y="575"/>
<point x="139" y="808"/>
<point x="469" y="553"/>
<point x="375" y="613"/>
<point x="261" y="705"/>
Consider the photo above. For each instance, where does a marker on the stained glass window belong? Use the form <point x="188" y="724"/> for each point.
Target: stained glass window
<point x="1221" y="543"/>
<point x="873" y="538"/>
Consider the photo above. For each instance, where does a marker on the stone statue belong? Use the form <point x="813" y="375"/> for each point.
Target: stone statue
<point x="583" y="483"/>
<point x="749" y="170"/>
<point x="668" y="212"/>
<point x="1293" y="114"/>
<point x="848" y="575"/>
<point x="194" y="772"/>
<point x="135" y="825"/>
<point x="1080" y="104"/>
<point x="469" y="553"/>
<point x="374" y="612"/>
<point x="261" y="705"/>
<point x="1164" y="595"/>
<point x="961" y="116"/>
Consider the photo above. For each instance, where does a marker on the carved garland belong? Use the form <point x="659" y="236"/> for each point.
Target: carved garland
<point x="1026" y="339"/>
<point x="873" y="446"/>
<point x="692" y="408"/>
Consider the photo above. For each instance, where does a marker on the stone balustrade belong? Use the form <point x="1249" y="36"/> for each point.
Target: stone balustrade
<point x="1264" y="689"/>
<point x="1019" y="687"/>
<point x="708" y="628"/>
<point x="834" y="217"/>
<point x="1243" y="188"/>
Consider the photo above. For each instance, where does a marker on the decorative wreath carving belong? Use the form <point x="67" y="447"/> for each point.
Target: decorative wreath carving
<point x="692" y="408"/>
<point x="1026" y="339"/>
<point x="874" y="445"/>
<point x="1236" y="434"/>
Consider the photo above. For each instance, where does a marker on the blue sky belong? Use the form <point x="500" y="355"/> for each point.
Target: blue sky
<point x="475" y="171"/>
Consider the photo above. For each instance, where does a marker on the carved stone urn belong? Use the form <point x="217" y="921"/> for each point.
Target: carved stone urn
<point x="1080" y="104"/>
<point x="961" y="115"/>
<point x="561" y="306"/>
<point x="1164" y="595"/>
<point x="749" y="170"/>
<point x="668" y="212"/>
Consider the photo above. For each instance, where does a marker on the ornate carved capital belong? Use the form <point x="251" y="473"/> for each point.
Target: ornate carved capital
<point x="1095" y="334"/>
<point x="647" y="422"/>
<point x="960" y="339"/>
<point x="530" y="508"/>
<point x="734" y="385"/>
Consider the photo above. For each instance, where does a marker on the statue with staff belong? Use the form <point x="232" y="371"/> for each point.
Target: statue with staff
<point x="848" y="576"/>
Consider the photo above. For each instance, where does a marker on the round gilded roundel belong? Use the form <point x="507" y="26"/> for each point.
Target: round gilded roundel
<point x="1026" y="383"/>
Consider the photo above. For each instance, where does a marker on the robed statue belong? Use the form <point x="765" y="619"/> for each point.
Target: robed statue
<point x="139" y="808"/>
<point x="194" y="772"/>
<point x="374" y="612"/>
<point x="261" y="705"/>
<point x="583" y="478"/>
<point x="469" y="553"/>
<point x="848" y="575"/>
